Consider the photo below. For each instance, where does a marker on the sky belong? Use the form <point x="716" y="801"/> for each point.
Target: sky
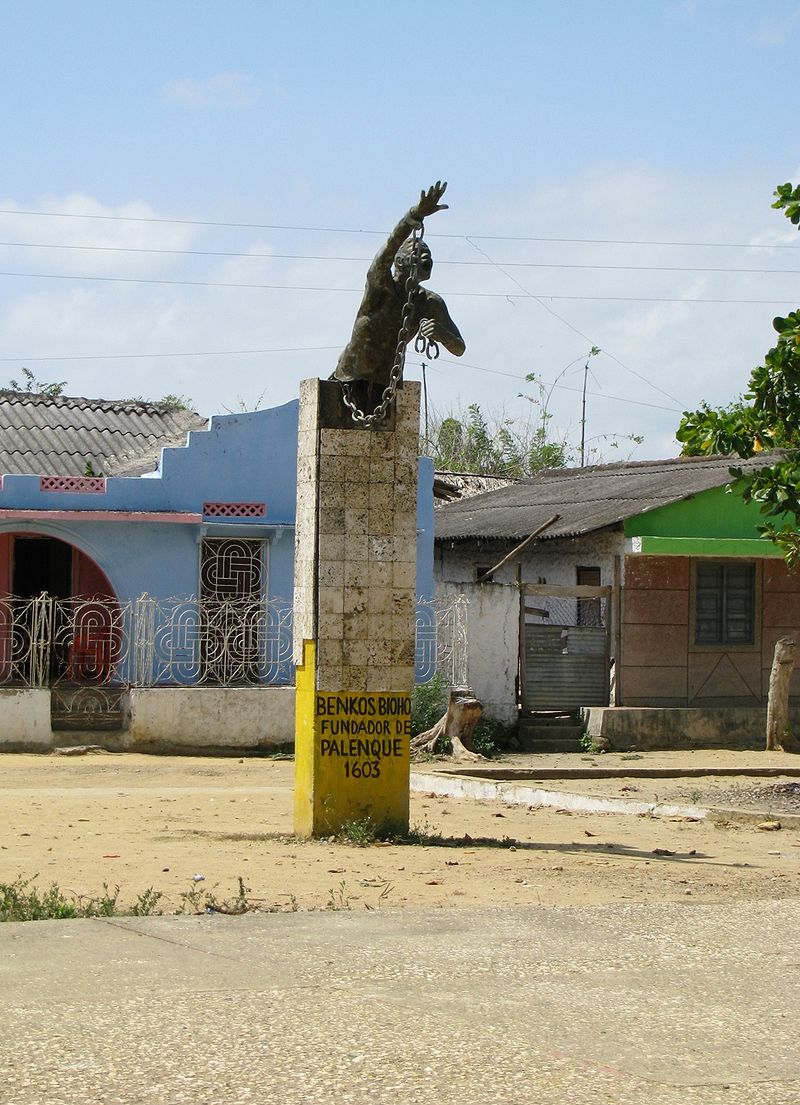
<point x="191" y="194"/>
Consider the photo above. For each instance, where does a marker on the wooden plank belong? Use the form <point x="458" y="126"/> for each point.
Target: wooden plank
<point x="576" y="592"/>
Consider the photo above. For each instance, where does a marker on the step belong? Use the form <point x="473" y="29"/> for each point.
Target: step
<point x="551" y="744"/>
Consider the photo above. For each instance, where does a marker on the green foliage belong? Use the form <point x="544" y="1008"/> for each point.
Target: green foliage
<point x="32" y="386"/>
<point x="428" y="703"/>
<point x="175" y="402"/>
<point x="588" y="744"/>
<point x="493" y="444"/>
<point x="22" y="900"/>
<point x="788" y="198"/>
<point x="360" y="831"/>
<point x="483" y="739"/>
<point x="338" y="898"/>
<point x="766" y="417"/>
<point x="169" y="402"/>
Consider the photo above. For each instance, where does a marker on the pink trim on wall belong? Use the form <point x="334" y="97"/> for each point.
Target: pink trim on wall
<point x="175" y="517"/>
<point x="85" y="485"/>
<point x="234" y="510"/>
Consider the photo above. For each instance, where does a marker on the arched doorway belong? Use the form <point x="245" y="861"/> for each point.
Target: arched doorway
<point x="60" y="621"/>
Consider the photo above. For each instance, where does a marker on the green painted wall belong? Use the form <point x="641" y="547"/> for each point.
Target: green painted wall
<point x="710" y="514"/>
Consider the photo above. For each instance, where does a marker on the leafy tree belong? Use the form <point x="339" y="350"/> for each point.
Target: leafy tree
<point x="492" y="444"/>
<point x="766" y="417"/>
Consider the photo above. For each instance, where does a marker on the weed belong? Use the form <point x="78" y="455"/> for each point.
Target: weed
<point x="22" y="900"/>
<point x="363" y="831"/>
<point x="428" y="703"/>
<point x="105" y="905"/>
<point x="422" y="834"/>
<point x="338" y="898"/>
<point x="197" y="900"/>
<point x="146" y="903"/>
<point x="588" y="744"/>
<point x="484" y="738"/>
<point x="360" y="831"/>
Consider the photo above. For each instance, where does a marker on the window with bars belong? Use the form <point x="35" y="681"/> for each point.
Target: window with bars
<point x="232" y="586"/>
<point x="725" y="603"/>
<point x="589" y="611"/>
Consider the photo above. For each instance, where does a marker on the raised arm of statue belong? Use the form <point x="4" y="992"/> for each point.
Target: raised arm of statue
<point x="379" y="274"/>
<point x="372" y="351"/>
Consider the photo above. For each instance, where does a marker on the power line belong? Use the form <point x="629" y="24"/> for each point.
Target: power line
<point x="539" y="300"/>
<point x="562" y="387"/>
<point x="351" y="230"/>
<point x="318" y="288"/>
<point x="159" y="356"/>
<point x="365" y="260"/>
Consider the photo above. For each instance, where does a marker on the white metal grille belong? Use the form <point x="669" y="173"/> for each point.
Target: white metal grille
<point x="187" y="641"/>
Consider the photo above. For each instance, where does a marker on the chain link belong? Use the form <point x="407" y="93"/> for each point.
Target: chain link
<point x="395" y="376"/>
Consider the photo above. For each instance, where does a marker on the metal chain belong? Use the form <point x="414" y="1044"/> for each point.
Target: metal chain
<point x="395" y="376"/>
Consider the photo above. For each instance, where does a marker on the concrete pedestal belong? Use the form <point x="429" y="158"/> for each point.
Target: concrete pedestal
<point x="355" y="577"/>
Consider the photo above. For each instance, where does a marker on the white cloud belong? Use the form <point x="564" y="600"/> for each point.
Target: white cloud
<point x="693" y="351"/>
<point x="228" y="90"/>
<point x="777" y="32"/>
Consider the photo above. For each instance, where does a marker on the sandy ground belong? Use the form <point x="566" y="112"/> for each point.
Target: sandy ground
<point x="142" y="823"/>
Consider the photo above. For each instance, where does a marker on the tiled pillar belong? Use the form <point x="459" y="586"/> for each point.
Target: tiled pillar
<point x="355" y="574"/>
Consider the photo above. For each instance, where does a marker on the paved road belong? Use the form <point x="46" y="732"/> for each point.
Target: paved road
<point x="668" y="1004"/>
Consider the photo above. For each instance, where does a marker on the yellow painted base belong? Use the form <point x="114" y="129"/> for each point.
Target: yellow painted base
<point x="352" y="757"/>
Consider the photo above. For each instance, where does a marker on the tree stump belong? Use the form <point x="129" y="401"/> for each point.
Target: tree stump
<point x="779" y="736"/>
<point x="463" y="714"/>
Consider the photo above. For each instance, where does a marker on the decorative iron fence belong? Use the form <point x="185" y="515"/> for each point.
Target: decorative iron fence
<point x="441" y="640"/>
<point x="151" y="642"/>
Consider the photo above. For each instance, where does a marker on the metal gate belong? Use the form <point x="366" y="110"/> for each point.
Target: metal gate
<point x="565" y="647"/>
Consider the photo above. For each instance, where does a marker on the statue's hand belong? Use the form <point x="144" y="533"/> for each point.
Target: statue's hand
<point x="429" y="201"/>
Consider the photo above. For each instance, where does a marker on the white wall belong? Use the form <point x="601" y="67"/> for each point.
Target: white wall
<point x="493" y="644"/>
<point x="25" y="718"/>
<point x="552" y="562"/>
<point x="162" y="719"/>
<point x="493" y="618"/>
<point x="212" y="717"/>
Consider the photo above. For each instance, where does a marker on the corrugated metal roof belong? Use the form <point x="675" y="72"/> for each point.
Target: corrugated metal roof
<point x="586" y="499"/>
<point x="57" y="436"/>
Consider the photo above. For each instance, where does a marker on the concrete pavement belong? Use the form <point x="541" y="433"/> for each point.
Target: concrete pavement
<point x="668" y="1004"/>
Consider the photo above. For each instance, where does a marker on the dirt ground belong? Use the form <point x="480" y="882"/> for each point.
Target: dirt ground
<point x="189" y="828"/>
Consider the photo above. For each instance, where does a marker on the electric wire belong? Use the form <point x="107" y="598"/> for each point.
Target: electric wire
<point x="237" y="254"/>
<point x="351" y="230"/>
<point x="567" y="323"/>
<point x="322" y="288"/>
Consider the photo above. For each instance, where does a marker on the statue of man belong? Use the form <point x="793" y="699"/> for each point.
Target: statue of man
<point x="370" y="353"/>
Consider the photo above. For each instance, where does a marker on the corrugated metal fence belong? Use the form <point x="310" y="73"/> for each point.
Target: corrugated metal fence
<point x="565" y="647"/>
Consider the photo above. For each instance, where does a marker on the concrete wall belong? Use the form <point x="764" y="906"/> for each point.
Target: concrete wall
<point x="162" y="719"/>
<point x="493" y="644"/>
<point x="552" y="562"/>
<point x="211" y="717"/>
<point x="25" y="719"/>
<point x="623" y="729"/>
<point x="493" y="618"/>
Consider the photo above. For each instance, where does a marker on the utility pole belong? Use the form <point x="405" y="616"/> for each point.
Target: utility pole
<point x="592" y="353"/>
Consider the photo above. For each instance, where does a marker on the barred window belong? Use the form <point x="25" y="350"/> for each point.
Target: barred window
<point x="725" y="604"/>
<point x="232" y="584"/>
<point x="589" y="611"/>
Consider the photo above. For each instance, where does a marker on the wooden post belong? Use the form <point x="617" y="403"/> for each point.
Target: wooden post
<point x="778" y="734"/>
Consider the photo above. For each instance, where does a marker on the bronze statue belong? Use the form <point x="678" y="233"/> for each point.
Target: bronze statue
<point x="370" y="354"/>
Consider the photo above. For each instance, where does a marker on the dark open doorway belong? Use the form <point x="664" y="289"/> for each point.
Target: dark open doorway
<point x="41" y="564"/>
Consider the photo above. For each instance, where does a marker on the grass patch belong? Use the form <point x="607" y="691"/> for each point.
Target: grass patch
<point x="23" y="900"/>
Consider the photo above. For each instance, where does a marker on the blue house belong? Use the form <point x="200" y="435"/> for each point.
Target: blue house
<point x="154" y="605"/>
